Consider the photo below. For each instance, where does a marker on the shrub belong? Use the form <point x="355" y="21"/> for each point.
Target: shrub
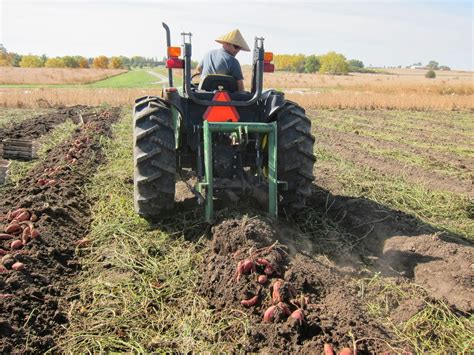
<point x="430" y="74"/>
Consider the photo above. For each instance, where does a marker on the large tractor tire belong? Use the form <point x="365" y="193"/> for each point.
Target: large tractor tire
<point x="154" y="158"/>
<point x="295" y="156"/>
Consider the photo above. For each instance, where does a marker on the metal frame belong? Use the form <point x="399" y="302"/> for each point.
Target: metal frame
<point x="239" y="128"/>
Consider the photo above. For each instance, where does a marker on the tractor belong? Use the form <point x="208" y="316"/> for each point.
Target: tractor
<point x="253" y="142"/>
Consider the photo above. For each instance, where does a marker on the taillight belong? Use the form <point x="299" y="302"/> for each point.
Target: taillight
<point x="268" y="67"/>
<point x="175" y="63"/>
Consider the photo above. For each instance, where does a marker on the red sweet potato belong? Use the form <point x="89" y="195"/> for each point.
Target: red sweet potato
<point x="328" y="350"/>
<point x="16" y="244"/>
<point x="276" y="296"/>
<point x="284" y="307"/>
<point x="262" y="279"/>
<point x="298" y="315"/>
<point x="4" y="236"/>
<point x="269" y="314"/>
<point x="250" y="302"/>
<point x="18" y="266"/>
<point x="13" y="228"/>
<point x="23" y="216"/>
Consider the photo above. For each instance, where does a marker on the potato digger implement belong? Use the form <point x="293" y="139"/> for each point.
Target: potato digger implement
<point x="233" y="142"/>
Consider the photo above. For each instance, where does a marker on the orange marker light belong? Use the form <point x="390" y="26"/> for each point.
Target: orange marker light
<point x="268" y="57"/>
<point x="174" y="51"/>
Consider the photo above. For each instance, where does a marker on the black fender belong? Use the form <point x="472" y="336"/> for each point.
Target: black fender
<point x="272" y="102"/>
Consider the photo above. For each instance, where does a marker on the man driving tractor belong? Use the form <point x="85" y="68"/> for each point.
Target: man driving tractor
<point x="223" y="61"/>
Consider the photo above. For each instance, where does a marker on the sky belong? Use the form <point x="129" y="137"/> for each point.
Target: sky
<point x="380" y="33"/>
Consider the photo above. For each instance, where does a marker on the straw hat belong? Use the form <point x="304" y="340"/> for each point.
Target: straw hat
<point x="234" y="37"/>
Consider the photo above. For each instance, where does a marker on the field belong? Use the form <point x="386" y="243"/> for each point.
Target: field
<point x="50" y="76"/>
<point x="379" y="260"/>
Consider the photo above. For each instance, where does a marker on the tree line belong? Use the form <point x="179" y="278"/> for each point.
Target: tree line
<point x="329" y="63"/>
<point x="11" y="59"/>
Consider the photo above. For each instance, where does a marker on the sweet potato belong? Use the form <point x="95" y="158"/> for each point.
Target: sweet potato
<point x="13" y="228"/>
<point x="16" y="244"/>
<point x="328" y="350"/>
<point x="34" y="234"/>
<point x="26" y="235"/>
<point x="33" y="217"/>
<point x="269" y="270"/>
<point x="262" y="261"/>
<point x="250" y="302"/>
<point x="269" y="314"/>
<point x="4" y="296"/>
<point x="284" y="307"/>
<point x="18" y="266"/>
<point x="23" y="216"/>
<point x="276" y="296"/>
<point x="16" y="212"/>
<point x="346" y="351"/>
<point x="4" y="236"/>
<point x="298" y="315"/>
<point x="246" y="266"/>
<point x="3" y="252"/>
<point x="262" y="279"/>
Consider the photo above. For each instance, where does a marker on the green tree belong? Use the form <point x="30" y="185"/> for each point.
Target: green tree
<point x="356" y="63"/>
<point x="333" y="63"/>
<point x="433" y="65"/>
<point x="70" y="61"/>
<point x="312" y="64"/>
<point x="126" y="63"/>
<point x="31" y="61"/>
<point x="55" y="63"/>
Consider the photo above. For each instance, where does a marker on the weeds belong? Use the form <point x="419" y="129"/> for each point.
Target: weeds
<point x="432" y="328"/>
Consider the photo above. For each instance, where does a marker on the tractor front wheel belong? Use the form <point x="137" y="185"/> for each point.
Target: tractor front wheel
<point x="295" y="155"/>
<point x="154" y="158"/>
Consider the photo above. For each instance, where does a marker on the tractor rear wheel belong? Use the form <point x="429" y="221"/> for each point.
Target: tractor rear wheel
<point x="154" y="158"/>
<point x="295" y="155"/>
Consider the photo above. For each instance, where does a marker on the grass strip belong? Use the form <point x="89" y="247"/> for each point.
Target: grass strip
<point x="434" y="329"/>
<point x="138" y="288"/>
<point x="448" y="211"/>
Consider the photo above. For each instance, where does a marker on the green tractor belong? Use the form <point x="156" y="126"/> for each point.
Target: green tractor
<point x="234" y="142"/>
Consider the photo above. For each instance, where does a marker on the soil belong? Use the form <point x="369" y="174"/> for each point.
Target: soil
<point x="42" y="124"/>
<point x="454" y="162"/>
<point x="349" y="147"/>
<point x="332" y="311"/>
<point x="400" y="245"/>
<point x="34" y="299"/>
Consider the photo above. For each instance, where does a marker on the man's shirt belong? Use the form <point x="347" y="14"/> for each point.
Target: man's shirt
<point x="218" y="61"/>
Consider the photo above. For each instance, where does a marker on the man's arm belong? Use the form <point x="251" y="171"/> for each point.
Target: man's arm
<point x="240" y="85"/>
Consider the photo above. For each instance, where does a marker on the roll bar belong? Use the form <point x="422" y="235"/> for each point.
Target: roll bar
<point x="258" y="67"/>
<point x="168" y="44"/>
<point x="258" y="55"/>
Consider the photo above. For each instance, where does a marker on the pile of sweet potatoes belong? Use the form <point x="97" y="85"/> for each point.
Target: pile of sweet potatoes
<point x="18" y="231"/>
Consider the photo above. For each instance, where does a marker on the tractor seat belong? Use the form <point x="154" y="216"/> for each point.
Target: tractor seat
<point x="213" y="82"/>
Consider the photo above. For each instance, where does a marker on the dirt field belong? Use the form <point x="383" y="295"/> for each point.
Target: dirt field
<point x="380" y="260"/>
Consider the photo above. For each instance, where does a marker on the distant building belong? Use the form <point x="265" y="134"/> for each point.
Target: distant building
<point x="417" y="67"/>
